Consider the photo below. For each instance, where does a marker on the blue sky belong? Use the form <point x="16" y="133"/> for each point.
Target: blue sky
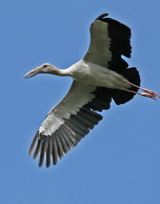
<point x="119" y="161"/>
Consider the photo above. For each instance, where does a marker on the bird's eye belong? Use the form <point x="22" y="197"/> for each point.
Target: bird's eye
<point x="45" y="65"/>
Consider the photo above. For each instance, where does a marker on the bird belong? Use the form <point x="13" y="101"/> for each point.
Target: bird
<point x="101" y="76"/>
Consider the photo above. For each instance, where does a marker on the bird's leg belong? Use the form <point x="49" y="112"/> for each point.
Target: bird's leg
<point x="141" y="94"/>
<point x="149" y="93"/>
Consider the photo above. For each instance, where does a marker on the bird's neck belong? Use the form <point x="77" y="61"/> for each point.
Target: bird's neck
<point x="60" y="72"/>
<point x="63" y="72"/>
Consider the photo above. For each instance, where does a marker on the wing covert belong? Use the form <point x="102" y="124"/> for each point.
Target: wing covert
<point x="68" y="122"/>
<point x="110" y="39"/>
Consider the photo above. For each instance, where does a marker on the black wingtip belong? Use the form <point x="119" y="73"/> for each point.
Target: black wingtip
<point x="102" y="16"/>
<point x="33" y="143"/>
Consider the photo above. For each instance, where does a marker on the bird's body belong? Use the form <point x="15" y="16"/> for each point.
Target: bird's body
<point x="94" y="74"/>
<point x="102" y="75"/>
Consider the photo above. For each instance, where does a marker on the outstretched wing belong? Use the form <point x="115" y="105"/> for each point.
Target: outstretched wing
<point x="69" y="121"/>
<point x="110" y="39"/>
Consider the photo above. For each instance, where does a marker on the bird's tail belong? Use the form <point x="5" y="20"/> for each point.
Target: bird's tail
<point x="121" y="97"/>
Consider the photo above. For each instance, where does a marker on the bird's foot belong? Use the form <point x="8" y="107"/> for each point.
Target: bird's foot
<point x="150" y="94"/>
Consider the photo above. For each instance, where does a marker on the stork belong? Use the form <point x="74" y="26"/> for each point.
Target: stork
<point x="102" y="75"/>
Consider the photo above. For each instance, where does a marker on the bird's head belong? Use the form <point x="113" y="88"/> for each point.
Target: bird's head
<point x="44" y="68"/>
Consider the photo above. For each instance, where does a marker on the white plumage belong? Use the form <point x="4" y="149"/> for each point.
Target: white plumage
<point x="70" y="105"/>
<point x="102" y="75"/>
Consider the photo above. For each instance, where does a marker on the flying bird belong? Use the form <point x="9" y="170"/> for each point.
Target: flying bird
<point x="102" y="75"/>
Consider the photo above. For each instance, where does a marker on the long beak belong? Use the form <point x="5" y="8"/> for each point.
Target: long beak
<point x="33" y="72"/>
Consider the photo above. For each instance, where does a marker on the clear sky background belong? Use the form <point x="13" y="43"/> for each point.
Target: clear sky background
<point x="119" y="161"/>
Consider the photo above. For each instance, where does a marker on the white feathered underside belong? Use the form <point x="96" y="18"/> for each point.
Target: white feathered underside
<point x="99" y="52"/>
<point x="78" y="95"/>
